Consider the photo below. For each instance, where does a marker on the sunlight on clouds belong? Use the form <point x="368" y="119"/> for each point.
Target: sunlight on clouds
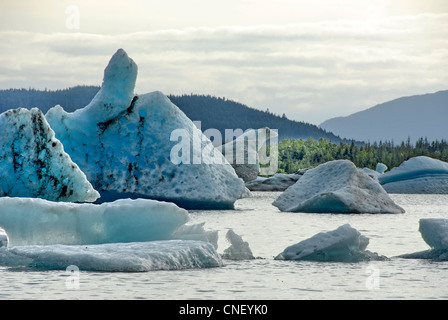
<point x="309" y="70"/>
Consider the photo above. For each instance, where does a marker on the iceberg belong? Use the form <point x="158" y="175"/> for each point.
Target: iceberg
<point x="33" y="162"/>
<point x="434" y="232"/>
<point x="380" y="169"/>
<point x="143" y="146"/>
<point x="242" y="153"/>
<point x="278" y="182"/>
<point x="345" y="244"/>
<point x="239" y="249"/>
<point x="336" y="187"/>
<point x="115" y="257"/>
<point x="418" y="175"/>
<point x="29" y="221"/>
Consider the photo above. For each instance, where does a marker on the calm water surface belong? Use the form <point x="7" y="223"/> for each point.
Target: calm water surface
<point x="268" y="232"/>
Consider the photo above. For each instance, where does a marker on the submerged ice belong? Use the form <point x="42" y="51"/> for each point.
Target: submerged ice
<point x="33" y="162"/>
<point x="345" y="244"/>
<point x="125" y="144"/>
<point x="336" y="187"/>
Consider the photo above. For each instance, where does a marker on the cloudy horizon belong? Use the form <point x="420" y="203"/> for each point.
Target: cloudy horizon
<point x="310" y="62"/>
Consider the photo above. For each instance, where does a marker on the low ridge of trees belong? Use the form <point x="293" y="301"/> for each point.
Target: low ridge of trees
<point x="295" y="154"/>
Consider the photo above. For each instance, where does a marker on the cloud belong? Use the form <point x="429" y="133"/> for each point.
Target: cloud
<point x="311" y="71"/>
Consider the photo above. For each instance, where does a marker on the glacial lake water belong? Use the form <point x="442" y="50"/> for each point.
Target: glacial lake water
<point x="268" y="232"/>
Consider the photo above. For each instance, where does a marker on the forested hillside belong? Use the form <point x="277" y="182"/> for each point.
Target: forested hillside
<point x="213" y="112"/>
<point x="221" y="113"/>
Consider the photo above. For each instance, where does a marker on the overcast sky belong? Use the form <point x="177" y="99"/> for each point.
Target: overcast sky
<point x="312" y="60"/>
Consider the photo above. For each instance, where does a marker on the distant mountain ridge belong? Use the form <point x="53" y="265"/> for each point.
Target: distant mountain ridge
<point x="213" y="112"/>
<point x="413" y="117"/>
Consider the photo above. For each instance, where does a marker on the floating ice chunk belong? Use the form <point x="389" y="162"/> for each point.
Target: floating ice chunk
<point x="33" y="162"/>
<point x="435" y="233"/>
<point x="421" y="175"/>
<point x="336" y="187"/>
<point x="140" y="146"/>
<point x="41" y="222"/>
<point x="239" y="249"/>
<point x="278" y="182"/>
<point x="381" y="167"/>
<point x="116" y="257"/>
<point x="345" y="244"/>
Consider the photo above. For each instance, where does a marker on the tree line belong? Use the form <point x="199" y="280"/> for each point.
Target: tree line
<point x="295" y="154"/>
<point x="70" y="99"/>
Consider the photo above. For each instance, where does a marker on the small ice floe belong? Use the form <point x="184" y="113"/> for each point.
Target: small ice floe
<point x="239" y="249"/>
<point x="345" y="244"/>
<point x="434" y="232"/>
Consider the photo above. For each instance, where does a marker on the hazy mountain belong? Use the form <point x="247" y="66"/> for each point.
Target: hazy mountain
<point x="213" y="112"/>
<point x="414" y="117"/>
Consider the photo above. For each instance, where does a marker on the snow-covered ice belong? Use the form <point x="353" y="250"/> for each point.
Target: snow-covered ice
<point x="116" y="257"/>
<point x="33" y="162"/>
<point x="345" y="244"/>
<point x="418" y="175"/>
<point x="336" y="187"/>
<point x="239" y="249"/>
<point x="40" y="222"/>
<point x="434" y="232"/>
<point x="129" y="146"/>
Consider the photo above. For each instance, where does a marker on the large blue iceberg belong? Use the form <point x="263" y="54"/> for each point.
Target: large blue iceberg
<point x="143" y="146"/>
